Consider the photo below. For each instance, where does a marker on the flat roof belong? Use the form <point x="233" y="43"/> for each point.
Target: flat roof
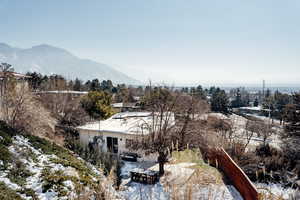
<point x="62" y="92"/>
<point x="124" y="105"/>
<point x="132" y="123"/>
<point x="257" y="108"/>
<point x="14" y="74"/>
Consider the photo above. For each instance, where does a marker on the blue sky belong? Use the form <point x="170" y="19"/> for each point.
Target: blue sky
<point x="170" y="41"/>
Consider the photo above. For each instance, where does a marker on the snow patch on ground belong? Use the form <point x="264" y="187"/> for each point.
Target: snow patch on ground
<point x="277" y="190"/>
<point x="8" y="183"/>
<point x="137" y="191"/>
<point x="177" y="173"/>
<point x="35" y="182"/>
<point x="216" y="192"/>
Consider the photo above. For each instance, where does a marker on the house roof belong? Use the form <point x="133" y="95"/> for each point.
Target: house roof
<point x="124" y="105"/>
<point x="13" y="74"/>
<point x="257" y="108"/>
<point x="63" y="92"/>
<point x="133" y="123"/>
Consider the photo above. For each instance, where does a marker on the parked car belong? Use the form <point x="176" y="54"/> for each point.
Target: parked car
<point x="128" y="156"/>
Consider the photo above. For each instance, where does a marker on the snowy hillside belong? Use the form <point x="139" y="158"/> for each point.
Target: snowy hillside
<point x="33" y="168"/>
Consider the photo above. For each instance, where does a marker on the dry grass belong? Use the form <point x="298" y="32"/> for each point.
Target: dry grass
<point x="204" y="174"/>
<point x="266" y="194"/>
<point x="190" y="193"/>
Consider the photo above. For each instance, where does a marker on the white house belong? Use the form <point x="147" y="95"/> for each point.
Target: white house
<point x="126" y="107"/>
<point x="114" y="134"/>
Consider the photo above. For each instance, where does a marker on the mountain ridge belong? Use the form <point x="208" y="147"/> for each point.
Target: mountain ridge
<point x="48" y="59"/>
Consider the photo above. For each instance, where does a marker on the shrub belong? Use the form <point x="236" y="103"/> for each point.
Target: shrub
<point x="18" y="174"/>
<point x="55" y="181"/>
<point x="7" y="193"/>
<point x="5" y="156"/>
<point x="29" y="193"/>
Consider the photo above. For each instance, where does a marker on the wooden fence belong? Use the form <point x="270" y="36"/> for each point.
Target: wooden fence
<point x="239" y="179"/>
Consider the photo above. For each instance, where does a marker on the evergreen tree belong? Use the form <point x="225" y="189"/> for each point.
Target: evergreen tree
<point x="237" y="102"/>
<point x="106" y="85"/>
<point x="200" y="93"/>
<point x="95" y="85"/>
<point x="281" y="100"/>
<point x="193" y="91"/>
<point x="97" y="104"/>
<point x="87" y="85"/>
<point x="219" y="101"/>
<point x="255" y="104"/>
<point x="212" y="90"/>
<point x="35" y="81"/>
<point x="77" y="85"/>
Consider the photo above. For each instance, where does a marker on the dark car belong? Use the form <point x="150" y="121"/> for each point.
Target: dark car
<point x="127" y="156"/>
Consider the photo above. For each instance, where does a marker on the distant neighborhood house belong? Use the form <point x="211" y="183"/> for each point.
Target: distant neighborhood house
<point x="21" y="79"/>
<point x="126" y="107"/>
<point x="15" y="75"/>
<point x="71" y="93"/>
<point x="260" y="111"/>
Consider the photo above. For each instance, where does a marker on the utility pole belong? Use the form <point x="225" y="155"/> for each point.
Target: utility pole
<point x="264" y="86"/>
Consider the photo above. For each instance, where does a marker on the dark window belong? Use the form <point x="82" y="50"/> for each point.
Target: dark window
<point x="112" y="144"/>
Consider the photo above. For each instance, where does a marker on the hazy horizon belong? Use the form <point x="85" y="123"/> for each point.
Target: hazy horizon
<point x="172" y="42"/>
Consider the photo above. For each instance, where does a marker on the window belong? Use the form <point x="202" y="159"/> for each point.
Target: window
<point x="112" y="144"/>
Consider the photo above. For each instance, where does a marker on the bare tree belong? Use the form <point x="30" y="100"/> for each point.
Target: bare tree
<point x="26" y="113"/>
<point x="189" y="110"/>
<point x="171" y="116"/>
<point x="221" y="126"/>
<point x="266" y="130"/>
<point x="20" y="108"/>
<point x="251" y="128"/>
<point x="5" y="82"/>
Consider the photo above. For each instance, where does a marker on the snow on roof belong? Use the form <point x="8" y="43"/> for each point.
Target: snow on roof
<point x="136" y="123"/>
<point x="117" y="105"/>
<point x="258" y="108"/>
<point x="13" y="74"/>
<point x="63" y="92"/>
<point x="131" y="114"/>
<point x="252" y="108"/>
<point x="124" y="105"/>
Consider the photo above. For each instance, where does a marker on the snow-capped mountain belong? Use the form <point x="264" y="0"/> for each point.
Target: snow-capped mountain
<point x="47" y="59"/>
